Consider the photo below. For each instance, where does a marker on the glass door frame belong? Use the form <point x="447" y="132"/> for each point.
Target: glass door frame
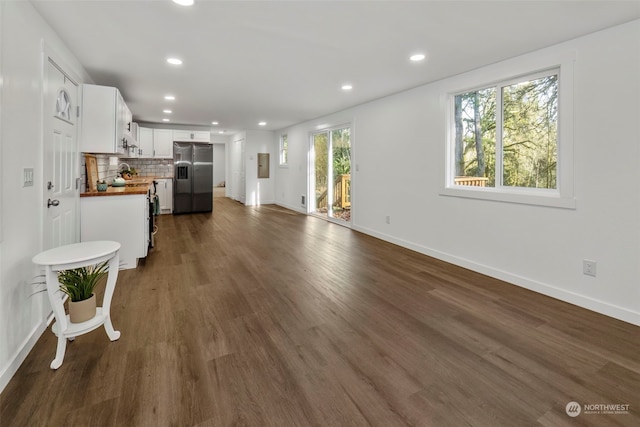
<point x="311" y="176"/>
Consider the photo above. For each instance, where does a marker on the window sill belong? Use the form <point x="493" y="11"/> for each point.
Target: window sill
<point x="520" y="196"/>
<point x="284" y="166"/>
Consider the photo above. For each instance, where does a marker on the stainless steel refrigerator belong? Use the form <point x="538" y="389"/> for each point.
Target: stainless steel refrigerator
<point x="193" y="177"/>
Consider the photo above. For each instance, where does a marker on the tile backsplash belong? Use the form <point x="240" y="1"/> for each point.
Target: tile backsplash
<point x="144" y="167"/>
<point x="152" y="167"/>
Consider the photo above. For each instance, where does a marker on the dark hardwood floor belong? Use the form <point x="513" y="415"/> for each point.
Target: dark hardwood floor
<point x="264" y="317"/>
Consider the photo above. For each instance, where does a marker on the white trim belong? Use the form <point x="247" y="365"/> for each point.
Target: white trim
<point x="579" y="300"/>
<point x="1" y="125"/>
<point x="519" y="196"/>
<point x="23" y="351"/>
<point x="291" y="207"/>
<point x="266" y="202"/>
<point x="502" y="74"/>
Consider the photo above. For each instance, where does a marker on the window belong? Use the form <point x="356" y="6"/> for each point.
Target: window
<point x="505" y="139"/>
<point x="507" y="135"/>
<point x="284" y="150"/>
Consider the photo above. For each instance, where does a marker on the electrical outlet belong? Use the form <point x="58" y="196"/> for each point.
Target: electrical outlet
<point x="589" y="267"/>
<point x="388" y="219"/>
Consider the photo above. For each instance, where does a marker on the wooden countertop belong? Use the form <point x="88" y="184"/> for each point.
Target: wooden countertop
<point x="140" y="185"/>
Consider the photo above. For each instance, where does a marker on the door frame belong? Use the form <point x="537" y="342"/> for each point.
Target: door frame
<point x="49" y="54"/>
<point x="1" y="90"/>
<point x="311" y="170"/>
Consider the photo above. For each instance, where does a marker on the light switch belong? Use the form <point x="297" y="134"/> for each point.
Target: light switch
<point x="27" y="174"/>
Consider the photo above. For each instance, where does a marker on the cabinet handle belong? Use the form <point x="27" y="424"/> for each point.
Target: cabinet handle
<point x="124" y="143"/>
<point x="129" y="126"/>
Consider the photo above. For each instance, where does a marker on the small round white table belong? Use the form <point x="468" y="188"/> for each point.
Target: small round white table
<point x="75" y="256"/>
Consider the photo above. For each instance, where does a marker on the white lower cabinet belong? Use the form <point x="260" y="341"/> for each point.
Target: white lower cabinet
<point x="124" y="219"/>
<point x="164" y="190"/>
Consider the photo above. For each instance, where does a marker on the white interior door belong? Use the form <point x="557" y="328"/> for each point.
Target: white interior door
<point x="61" y="197"/>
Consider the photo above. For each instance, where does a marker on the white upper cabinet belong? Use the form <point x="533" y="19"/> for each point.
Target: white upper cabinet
<point x="163" y="143"/>
<point x="145" y="142"/>
<point x="106" y="121"/>
<point x="155" y="143"/>
<point x="191" y="135"/>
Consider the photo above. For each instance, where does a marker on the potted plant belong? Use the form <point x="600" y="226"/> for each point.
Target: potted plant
<point x="79" y="284"/>
<point x="128" y="173"/>
<point x="102" y="185"/>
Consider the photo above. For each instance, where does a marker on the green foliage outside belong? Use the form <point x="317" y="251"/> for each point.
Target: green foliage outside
<point x="284" y="151"/>
<point x="341" y="155"/>
<point x="529" y="133"/>
<point x="341" y="143"/>
<point x="320" y="145"/>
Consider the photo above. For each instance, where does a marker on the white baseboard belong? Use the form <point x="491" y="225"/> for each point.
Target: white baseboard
<point x="589" y="303"/>
<point x="23" y="352"/>
<point x="264" y="202"/>
<point x="291" y="207"/>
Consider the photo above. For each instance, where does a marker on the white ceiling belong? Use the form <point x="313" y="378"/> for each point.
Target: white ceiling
<point x="284" y="61"/>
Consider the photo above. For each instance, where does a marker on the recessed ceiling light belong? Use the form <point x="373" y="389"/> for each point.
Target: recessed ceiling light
<point x="167" y="111"/>
<point x="262" y="124"/>
<point x="174" y="61"/>
<point x="417" y="57"/>
<point x="184" y="2"/>
<point x="347" y="87"/>
<point x="214" y="123"/>
<point x="165" y="120"/>
<point x="221" y="132"/>
<point x="169" y="97"/>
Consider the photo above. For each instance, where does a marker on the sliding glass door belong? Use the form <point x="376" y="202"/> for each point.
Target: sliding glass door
<point x="331" y="174"/>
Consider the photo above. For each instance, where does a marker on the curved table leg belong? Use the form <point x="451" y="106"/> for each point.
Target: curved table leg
<point x="108" y="327"/>
<point x="60" y="350"/>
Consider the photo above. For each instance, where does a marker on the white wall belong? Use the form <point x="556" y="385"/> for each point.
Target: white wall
<point x="399" y="149"/>
<point x="22" y="316"/>
<point x="257" y="191"/>
<point x="219" y="161"/>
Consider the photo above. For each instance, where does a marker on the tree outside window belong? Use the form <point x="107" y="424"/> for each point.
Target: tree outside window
<point x="284" y="150"/>
<point x="507" y="135"/>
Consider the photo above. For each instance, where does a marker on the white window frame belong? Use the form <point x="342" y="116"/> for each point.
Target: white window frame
<point x="504" y="74"/>
<point x="282" y="150"/>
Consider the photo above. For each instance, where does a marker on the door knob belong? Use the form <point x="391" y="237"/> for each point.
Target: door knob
<point x="52" y="203"/>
